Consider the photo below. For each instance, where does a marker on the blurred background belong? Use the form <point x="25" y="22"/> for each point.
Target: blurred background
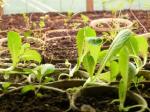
<point x="26" y="6"/>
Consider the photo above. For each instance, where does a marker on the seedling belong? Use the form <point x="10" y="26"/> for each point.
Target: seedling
<point x="19" y="52"/>
<point x="125" y="46"/>
<point x="85" y="18"/>
<point x="5" y="87"/>
<point x="40" y="73"/>
<point x="26" y="20"/>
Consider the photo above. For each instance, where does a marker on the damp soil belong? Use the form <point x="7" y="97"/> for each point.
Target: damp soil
<point x="60" y="33"/>
<point x="56" y="21"/>
<point x="37" y="45"/>
<point x="61" y="74"/>
<point x="101" y="103"/>
<point x="60" y="48"/>
<point x="50" y="101"/>
<point x="19" y="77"/>
<point x="61" y="26"/>
<point x="144" y="90"/>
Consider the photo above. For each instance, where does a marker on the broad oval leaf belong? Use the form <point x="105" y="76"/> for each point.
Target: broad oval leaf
<point x="81" y="36"/>
<point x="27" y="88"/>
<point x="94" y="45"/>
<point x="94" y="41"/>
<point x="89" y="64"/>
<point x="31" y="55"/>
<point x="6" y="85"/>
<point x="47" y="69"/>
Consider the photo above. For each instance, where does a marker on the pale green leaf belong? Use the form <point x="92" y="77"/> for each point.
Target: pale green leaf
<point x="6" y="85"/>
<point x="94" y="44"/>
<point x="114" y="70"/>
<point x="124" y="67"/>
<point x="31" y="55"/>
<point x="80" y="39"/>
<point x="84" y="18"/>
<point x="89" y="64"/>
<point x="14" y="46"/>
<point x="143" y="46"/>
<point x="119" y="42"/>
<point x="47" y="69"/>
<point x="105" y="76"/>
<point x="27" y="88"/>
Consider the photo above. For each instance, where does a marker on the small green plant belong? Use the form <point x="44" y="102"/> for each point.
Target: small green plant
<point x="82" y="48"/>
<point x="85" y="18"/>
<point x="19" y="52"/>
<point x="40" y="73"/>
<point x="126" y="46"/>
<point x="5" y="87"/>
<point x="26" y="20"/>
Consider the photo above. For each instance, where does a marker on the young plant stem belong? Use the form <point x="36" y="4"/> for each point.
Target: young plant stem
<point x="7" y="70"/>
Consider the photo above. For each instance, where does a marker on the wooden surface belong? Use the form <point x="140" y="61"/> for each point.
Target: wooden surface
<point x="89" y="5"/>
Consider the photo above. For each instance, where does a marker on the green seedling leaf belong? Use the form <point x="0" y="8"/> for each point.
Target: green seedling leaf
<point x="27" y="33"/>
<point x="27" y="88"/>
<point x="94" y="45"/>
<point x="138" y="46"/>
<point x="102" y="54"/>
<point x="120" y="40"/>
<point x="84" y="18"/>
<point x="39" y="95"/>
<point x="121" y="94"/>
<point x="24" y="47"/>
<point x="6" y="85"/>
<point x="143" y="47"/>
<point x="42" y="24"/>
<point x="82" y="46"/>
<point x="105" y="77"/>
<point x="95" y="41"/>
<point x="114" y="70"/>
<point x="48" y="79"/>
<point x="133" y="46"/>
<point x="80" y="39"/>
<point x="124" y="67"/>
<point x="89" y="64"/>
<point x="47" y="69"/>
<point x="132" y="73"/>
<point x="14" y="46"/>
<point x="43" y="70"/>
<point x="31" y="55"/>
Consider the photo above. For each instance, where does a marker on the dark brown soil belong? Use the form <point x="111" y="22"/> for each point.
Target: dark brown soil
<point x="144" y="91"/>
<point x="50" y="101"/>
<point x="102" y="103"/>
<point x="56" y="22"/>
<point x="60" y="48"/>
<point x="36" y="44"/>
<point x="6" y="62"/>
<point x="59" y="33"/>
<point x="68" y="24"/>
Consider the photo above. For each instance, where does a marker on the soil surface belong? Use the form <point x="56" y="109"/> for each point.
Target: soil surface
<point x="101" y="103"/>
<point x="144" y="91"/>
<point x="56" y="21"/>
<point x="60" y="25"/>
<point x="61" y="48"/>
<point x="50" y="101"/>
